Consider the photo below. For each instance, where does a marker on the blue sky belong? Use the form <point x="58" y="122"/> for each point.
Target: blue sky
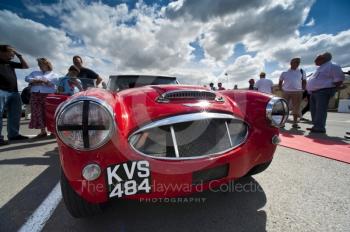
<point x="331" y="17"/>
<point x="198" y="40"/>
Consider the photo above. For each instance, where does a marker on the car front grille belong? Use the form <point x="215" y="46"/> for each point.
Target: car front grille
<point x="190" y="136"/>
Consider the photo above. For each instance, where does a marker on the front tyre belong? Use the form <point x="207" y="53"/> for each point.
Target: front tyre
<point x="76" y="205"/>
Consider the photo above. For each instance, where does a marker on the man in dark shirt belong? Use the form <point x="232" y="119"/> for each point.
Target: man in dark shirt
<point x="87" y="76"/>
<point x="9" y="96"/>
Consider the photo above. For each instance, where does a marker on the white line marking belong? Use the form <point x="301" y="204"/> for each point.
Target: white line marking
<point x="38" y="219"/>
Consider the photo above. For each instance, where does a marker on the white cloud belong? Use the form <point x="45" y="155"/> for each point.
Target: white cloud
<point x="153" y="40"/>
<point x="33" y="38"/>
<point x="259" y="29"/>
<point x="205" y="10"/>
<point x="133" y="39"/>
<point x="308" y="47"/>
<point x="53" y="9"/>
<point x="244" y="68"/>
<point x="310" y="23"/>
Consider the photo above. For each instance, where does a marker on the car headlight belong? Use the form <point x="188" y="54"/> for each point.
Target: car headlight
<point x="277" y="111"/>
<point x="85" y="123"/>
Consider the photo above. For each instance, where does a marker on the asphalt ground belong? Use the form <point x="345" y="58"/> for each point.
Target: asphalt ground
<point x="298" y="192"/>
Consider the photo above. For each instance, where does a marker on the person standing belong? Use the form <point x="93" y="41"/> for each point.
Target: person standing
<point x="220" y="86"/>
<point x="42" y="83"/>
<point x="323" y="85"/>
<point x="211" y="86"/>
<point x="251" y="84"/>
<point x="292" y="82"/>
<point x="264" y="85"/>
<point x="9" y="96"/>
<point x="87" y="76"/>
<point x="70" y="84"/>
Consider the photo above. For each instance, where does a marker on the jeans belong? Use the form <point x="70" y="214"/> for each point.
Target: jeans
<point x="319" y="101"/>
<point x="11" y="101"/>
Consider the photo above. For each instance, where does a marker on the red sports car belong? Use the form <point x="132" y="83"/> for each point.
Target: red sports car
<point x="149" y="137"/>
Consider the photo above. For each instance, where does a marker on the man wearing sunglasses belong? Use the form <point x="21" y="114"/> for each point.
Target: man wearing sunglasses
<point x="9" y="97"/>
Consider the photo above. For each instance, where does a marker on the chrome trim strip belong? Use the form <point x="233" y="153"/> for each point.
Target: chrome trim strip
<point x="64" y="105"/>
<point x="59" y="107"/>
<point x="88" y="98"/>
<point x="228" y="134"/>
<point x="174" y="142"/>
<point x="190" y="117"/>
<point x="192" y="157"/>
<point x="185" y="118"/>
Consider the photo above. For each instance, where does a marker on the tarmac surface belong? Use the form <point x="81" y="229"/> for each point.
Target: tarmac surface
<point x="298" y="192"/>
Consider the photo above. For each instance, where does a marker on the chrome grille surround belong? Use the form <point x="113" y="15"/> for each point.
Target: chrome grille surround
<point x="220" y="122"/>
<point x="189" y="94"/>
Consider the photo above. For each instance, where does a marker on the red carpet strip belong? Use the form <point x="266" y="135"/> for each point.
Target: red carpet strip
<point x="336" y="150"/>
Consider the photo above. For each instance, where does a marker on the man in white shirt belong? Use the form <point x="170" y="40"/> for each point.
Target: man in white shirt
<point x="264" y="85"/>
<point x="322" y="86"/>
<point x="292" y="82"/>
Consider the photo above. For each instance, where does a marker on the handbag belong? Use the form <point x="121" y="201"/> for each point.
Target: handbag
<point x="25" y="95"/>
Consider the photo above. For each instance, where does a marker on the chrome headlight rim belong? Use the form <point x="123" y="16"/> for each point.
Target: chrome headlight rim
<point x="106" y="107"/>
<point x="269" y="109"/>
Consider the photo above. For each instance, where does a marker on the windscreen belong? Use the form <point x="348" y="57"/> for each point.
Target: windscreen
<point x="118" y="83"/>
<point x="87" y="83"/>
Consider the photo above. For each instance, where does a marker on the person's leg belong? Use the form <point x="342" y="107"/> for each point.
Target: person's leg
<point x="296" y="100"/>
<point x="37" y="120"/>
<point x="323" y="98"/>
<point x="3" y="101"/>
<point x="313" y="102"/>
<point x="287" y="97"/>
<point x="14" y="115"/>
<point x="35" y="111"/>
<point x="42" y="114"/>
<point x="329" y="93"/>
<point x="307" y="107"/>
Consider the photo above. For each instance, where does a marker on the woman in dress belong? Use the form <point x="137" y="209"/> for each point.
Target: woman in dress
<point x="42" y="83"/>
